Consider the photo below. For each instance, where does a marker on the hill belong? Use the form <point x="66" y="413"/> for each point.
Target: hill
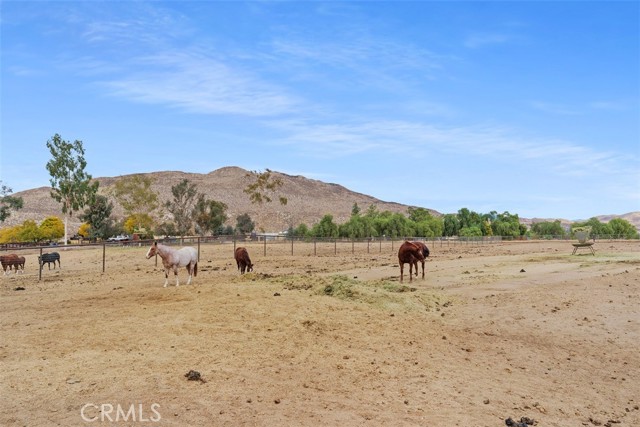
<point x="308" y="199"/>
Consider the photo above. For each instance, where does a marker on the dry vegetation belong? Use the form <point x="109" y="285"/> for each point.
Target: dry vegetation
<point x="518" y="329"/>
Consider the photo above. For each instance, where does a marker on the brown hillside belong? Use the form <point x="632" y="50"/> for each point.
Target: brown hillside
<point x="308" y="200"/>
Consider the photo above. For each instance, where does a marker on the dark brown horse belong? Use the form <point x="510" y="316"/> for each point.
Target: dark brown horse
<point x="243" y="261"/>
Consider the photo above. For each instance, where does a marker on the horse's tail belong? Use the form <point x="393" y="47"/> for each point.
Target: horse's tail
<point x="195" y="269"/>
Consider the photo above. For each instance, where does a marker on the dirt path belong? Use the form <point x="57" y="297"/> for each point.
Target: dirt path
<point x="504" y="330"/>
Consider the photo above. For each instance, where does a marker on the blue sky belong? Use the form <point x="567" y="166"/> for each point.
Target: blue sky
<point x="526" y="107"/>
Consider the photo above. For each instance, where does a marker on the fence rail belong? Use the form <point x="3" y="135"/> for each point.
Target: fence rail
<point x="260" y="244"/>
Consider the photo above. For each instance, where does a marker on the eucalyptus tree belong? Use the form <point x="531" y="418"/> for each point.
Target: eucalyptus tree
<point x="70" y="184"/>
<point x="185" y="196"/>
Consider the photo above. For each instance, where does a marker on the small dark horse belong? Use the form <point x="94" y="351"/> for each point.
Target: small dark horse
<point x="243" y="261"/>
<point x="49" y="258"/>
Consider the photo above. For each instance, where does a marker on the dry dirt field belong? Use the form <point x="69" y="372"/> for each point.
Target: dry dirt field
<point x="520" y="329"/>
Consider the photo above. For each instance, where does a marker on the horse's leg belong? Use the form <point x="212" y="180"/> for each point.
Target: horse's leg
<point x="401" y="270"/>
<point x="175" y="273"/>
<point x="423" y="261"/>
<point x="410" y="272"/>
<point x="166" y="277"/>
<point x="190" y="271"/>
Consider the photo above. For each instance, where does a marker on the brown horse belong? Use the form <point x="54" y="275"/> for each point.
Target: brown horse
<point x="243" y="261"/>
<point x="409" y="253"/>
<point x="12" y="260"/>
<point x="425" y="253"/>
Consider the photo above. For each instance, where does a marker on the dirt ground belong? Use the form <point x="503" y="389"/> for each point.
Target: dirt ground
<point x="521" y="329"/>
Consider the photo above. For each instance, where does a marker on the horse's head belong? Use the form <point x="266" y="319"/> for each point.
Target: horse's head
<point x="153" y="250"/>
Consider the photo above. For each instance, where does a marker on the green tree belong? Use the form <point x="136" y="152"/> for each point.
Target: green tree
<point x="98" y="216"/>
<point x="506" y="224"/>
<point x="473" y="231"/>
<point x="70" y="184"/>
<point x="355" y="210"/>
<point x="597" y="228"/>
<point x="325" y="228"/>
<point x="622" y="228"/>
<point x="209" y="215"/>
<point x="451" y="225"/>
<point x="185" y="196"/>
<point x="244" y="224"/>
<point x="263" y="187"/>
<point x="302" y="230"/>
<point x="548" y="228"/>
<point x="8" y="203"/>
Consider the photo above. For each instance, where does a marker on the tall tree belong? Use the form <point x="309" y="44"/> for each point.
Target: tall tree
<point x="135" y="195"/>
<point x="265" y="184"/>
<point x="70" y="184"/>
<point x="181" y="207"/>
<point x="209" y="215"/>
<point x="244" y="224"/>
<point x="8" y="202"/>
<point x="98" y="216"/>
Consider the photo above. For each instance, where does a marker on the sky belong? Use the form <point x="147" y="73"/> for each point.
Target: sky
<point x="527" y="107"/>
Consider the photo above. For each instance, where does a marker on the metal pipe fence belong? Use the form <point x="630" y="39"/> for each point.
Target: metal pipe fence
<point x="107" y="253"/>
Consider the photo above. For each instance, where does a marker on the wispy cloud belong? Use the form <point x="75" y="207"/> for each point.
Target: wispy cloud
<point x="200" y="84"/>
<point x="418" y="139"/>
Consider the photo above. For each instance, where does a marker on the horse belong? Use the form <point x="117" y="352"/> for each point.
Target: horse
<point x="174" y="259"/>
<point x="425" y="253"/>
<point x="12" y="260"/>
<point x="243" y="261"/>
<point x="409" y="253"/>
<point x="49" y="258"/>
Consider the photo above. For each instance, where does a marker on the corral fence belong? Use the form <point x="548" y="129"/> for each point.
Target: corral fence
<point x="257" y="244"/>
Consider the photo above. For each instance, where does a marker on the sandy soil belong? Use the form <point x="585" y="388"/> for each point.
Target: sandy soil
<point x="516" y="330"/>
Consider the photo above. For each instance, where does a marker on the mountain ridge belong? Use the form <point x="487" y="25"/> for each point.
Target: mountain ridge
<point x="308" y="200"/>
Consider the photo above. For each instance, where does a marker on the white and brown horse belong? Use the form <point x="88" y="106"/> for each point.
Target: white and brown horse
<point x="172" y="259"/>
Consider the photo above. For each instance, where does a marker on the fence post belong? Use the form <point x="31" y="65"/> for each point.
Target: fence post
<point x="314" y="247"/>
<point x="335" y="246"/>
<point x="104" y="253"/>
<point x="198" y="248"/>
<point x="352" y="247"/>
<point x="264" y="239"/>
<point x="291" y="245"/>
<point x="41" y="264"/>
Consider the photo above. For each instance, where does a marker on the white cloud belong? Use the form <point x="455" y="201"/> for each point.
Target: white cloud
<point x="200" y="84"/>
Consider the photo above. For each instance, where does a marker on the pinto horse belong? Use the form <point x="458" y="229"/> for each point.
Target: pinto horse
<point x="172" y="259"/>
